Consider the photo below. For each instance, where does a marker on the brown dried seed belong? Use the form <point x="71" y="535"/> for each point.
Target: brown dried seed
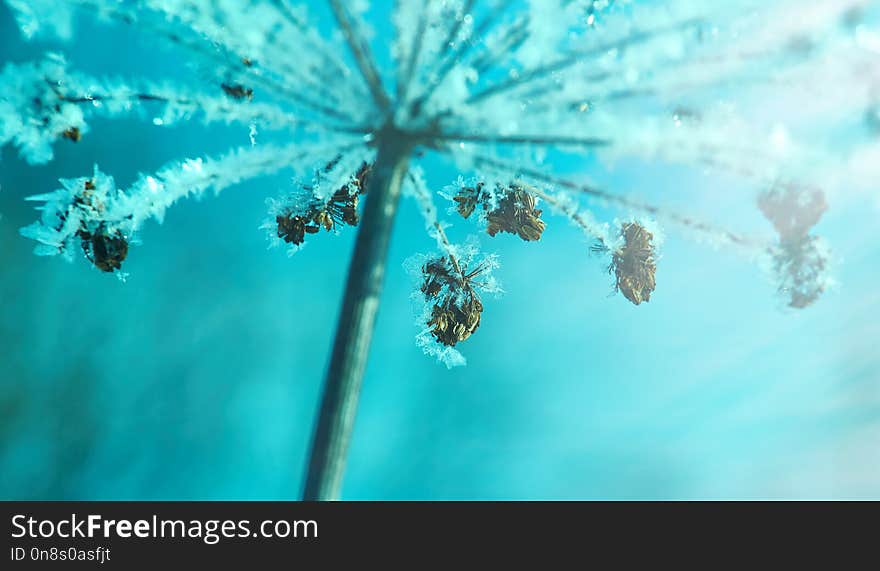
<point x="468" y="198"/>
<point x="106" y="250"/>
<point x="436" y="276"/>
<point x="634" y="264"/>
<point x="72" y="134"/>
<point x="456" y="313"/>
<point x="516" y="214"/>
<point x="238" y="91"/>
<point x="322" y="218"/>
<point x="340" y="208"/>
<point x="291" y="228"/>
<point x="452" y="323"/>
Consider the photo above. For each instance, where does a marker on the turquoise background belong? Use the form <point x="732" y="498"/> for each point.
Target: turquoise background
<point x="199" y="378"/>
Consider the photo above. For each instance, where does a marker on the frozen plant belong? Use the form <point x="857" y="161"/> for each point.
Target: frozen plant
<point x="508" y="91"/>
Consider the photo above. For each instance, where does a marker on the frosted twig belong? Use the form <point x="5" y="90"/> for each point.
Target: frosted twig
<point x="361" y="52"/>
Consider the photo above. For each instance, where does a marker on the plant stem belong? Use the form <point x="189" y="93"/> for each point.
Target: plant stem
<point x="357" y="319"/>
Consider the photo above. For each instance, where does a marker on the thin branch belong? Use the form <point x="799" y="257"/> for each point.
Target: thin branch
<point x="686" y="221"/>
<point x="210" y="53"/>
<point x="303" y="27"/>
<point x="454" y="30"/>
<point x="526" y="139"/>
<point x="572" y="213"/>
<point x="573" y="58"/>
<point x="361" y="52"/>
<point x="292" y="120"/>
<point x="454" y="57"/>
<point x="331" y="75"/>
<point x="405" y="78"/>
<point x="514" y="37"/>
<point x="429" y="211"/>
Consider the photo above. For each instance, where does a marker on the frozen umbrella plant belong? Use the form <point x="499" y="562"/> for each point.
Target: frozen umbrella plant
<point x="507" y="90"/>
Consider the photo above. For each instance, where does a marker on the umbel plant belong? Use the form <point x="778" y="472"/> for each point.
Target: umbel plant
<point x="509" y="92"/>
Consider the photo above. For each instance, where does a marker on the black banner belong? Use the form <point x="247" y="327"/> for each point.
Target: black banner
<point x="128" y="535"/>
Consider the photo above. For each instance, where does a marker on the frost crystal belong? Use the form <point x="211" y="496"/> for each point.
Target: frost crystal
<point x="507" y="91"/>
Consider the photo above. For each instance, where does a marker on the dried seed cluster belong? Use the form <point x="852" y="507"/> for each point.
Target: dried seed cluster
<point x="634" y="264"/>
<point x="456" y="309"/>
<point x="340" y="208"/>
<point x="800" y="259"/>
<point x="72" y="134"/>
<point x="802" y="267"/>
<point x="514" y="213"/>
<point x="238" y="91"/>
<point x="49" y="110"/>
<point x="105" y="248"/>
<point x="467" y="199"/>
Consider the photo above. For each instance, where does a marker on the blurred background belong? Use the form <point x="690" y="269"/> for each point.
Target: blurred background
<point x="199" y="378"/>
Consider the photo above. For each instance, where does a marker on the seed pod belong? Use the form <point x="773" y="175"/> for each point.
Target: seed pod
<point x="72" y="134"/>
<point x="457" y="309"/>
<point x="238" y="91"/>
<point x="437" y="276"/>
<point x="291" y="229"/>
<point x="801" y="267"/>
<point x="105" y="249"/>
<point x="514" y="213"/>
<point x="452" y="323"/>
<point x="340" y="208"/>
<point x="468" y="198"/>
<point x="633" y="264"/>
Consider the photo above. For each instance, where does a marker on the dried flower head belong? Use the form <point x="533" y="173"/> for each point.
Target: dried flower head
<point x="455" y="314"/>
<point x="468" y="198"/>
<point x="792" y="210"/>
<point x="104" y="248"/>
<point x="340" y="209"/>
<point x="514" y="210"/>
<point x="634" y="263"/>
<point x="516" y="214"/>
<point x="72" y="134"/>
<point x="238" y="91"/>
<point x="292" y="228"/>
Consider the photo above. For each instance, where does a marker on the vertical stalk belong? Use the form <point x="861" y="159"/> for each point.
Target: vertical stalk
<point x="354" y="330"/>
